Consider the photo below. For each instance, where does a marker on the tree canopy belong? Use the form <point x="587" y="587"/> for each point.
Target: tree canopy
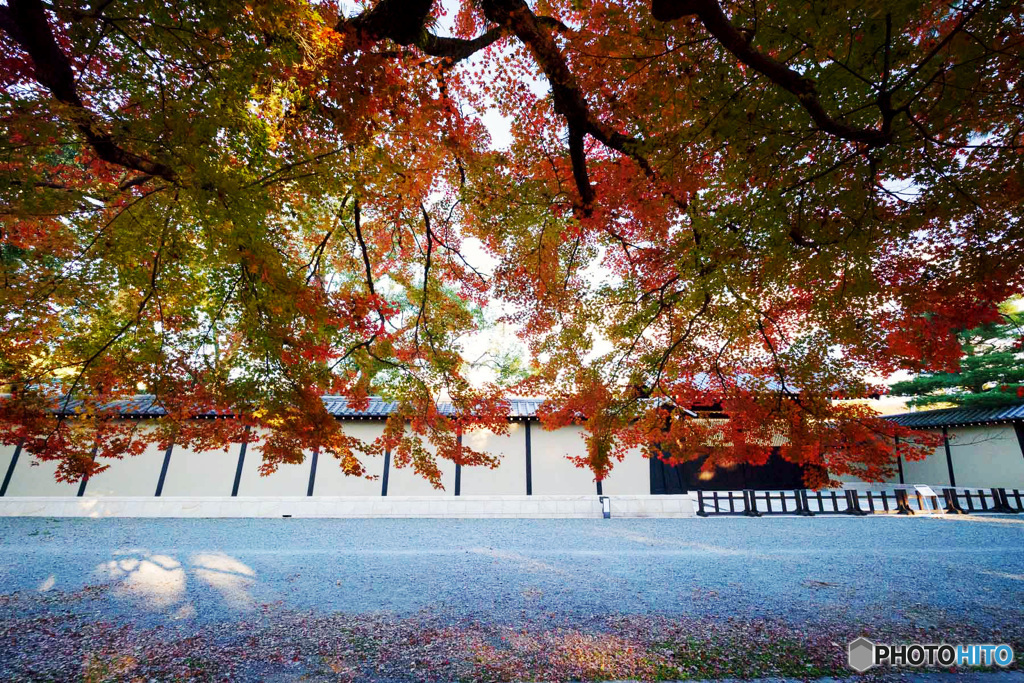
<point x="241" y="206"/>
<point x="991" y="372"/>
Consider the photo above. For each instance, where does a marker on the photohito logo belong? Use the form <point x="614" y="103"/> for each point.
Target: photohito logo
<point x="864" y="654"/>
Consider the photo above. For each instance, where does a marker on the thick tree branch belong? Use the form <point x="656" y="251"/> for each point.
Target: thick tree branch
<point x="404" y="22"/>
<point x="362" y="249"/>
<point x="426" y="278"/>
<point x="25" y="22"/>
<point x="578" y="155"/>
<point x="457" y="49"/>
<point x="569" y="102"/>
<point x="738" y="43"/>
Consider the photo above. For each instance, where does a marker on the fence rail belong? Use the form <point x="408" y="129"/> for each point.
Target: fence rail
<point x="806" y="503"/>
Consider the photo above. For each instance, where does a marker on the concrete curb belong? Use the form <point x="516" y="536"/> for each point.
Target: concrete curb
<point x="516" y="507"/>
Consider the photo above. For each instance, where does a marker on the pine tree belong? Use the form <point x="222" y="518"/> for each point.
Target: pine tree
<point x="991" y="370"/>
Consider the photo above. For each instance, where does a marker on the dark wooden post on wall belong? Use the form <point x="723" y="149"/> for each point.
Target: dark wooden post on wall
<point x="312" y="472"/>
<point x="10" y="470"/>
<point x="458" y="466"/>
<point x="163" y="469"/>
<point x="529" y="462"/>
<point x="899" y="459"/>
<point x="85" y="479"/>
<point x="949" y="457"/>
<point x="241" y="461"/>
<point x="1018" y="427"/>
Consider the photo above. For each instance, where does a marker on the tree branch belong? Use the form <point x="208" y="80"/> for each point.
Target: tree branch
<point x="426" y="277"/>
<point x="404" y="22"/>
<point x="362" y="248"/>
<point x="25" y="22"/>
<point x="569" y="102"/>
<point x="738" y="43"/>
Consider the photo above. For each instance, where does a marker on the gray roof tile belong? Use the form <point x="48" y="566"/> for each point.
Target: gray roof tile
<point x="144" y="405"/>
<point x="948" y="417"/>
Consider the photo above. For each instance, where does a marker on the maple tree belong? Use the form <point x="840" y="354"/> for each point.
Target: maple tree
<point x="244" y="206"/>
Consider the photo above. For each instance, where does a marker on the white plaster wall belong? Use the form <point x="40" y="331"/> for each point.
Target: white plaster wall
<point x="553" y="472"/>
<point x="850" y="479"/>
<point x="405" y="481"/>
<point x="987" y="456"/>
<point x="130" y="476"/>
<point x="331" y="481"/>
<point x="288" y="480"/>
<point x="630" y="477"/>
<point x="894" y="479"/>
<point x="509" y="478"/>
<point x="36" y="478"/>
<point x="932" y="470"/>
<point x="6" y="453"/>
<point x="206" y="473"/>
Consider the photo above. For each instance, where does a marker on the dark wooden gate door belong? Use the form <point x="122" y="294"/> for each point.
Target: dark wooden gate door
<point x="776" y="474"/>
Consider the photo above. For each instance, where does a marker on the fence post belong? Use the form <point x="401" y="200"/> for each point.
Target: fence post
<point x="803" y="507"/>
<point x="750" y="504"/>
<point x="952" y="502"/>
<point x="902" y="503"/>
<point x="1002" y="504"/>
<point x="700" y="504"/>
<point x="853" y="503"/>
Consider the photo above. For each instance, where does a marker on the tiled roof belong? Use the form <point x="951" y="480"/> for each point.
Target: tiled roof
<point x="949" y="417"/>
<point x="338" y="407"/>
<point x="144" y="405"/>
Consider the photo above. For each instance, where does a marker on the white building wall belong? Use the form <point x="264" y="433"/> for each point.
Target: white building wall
<point x="33" y="477"/>
<point x="553" y="472"/>
<point x="6" y="455"/>
<point x="331" y="481"/>
<point x="133" y="475"/>
<point x="984" y="456"/>
<point x="932" y="470"/>
<point x="205" y="473"/>
<point x="288" y="480"/>
<point x="405" y="481"/>
<point x="987" y="456"/>
<point x="632" y="476"/>
<point x="509" y="478"/>
<point x="894" y="479"/>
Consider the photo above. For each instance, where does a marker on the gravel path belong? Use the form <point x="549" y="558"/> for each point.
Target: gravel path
<point x="118" y="601"/>
<point x="210" y="570"/>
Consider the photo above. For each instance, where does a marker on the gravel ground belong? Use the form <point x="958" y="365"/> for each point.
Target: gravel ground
<point x="418" y="599"/>
<point x="796" y="568"/>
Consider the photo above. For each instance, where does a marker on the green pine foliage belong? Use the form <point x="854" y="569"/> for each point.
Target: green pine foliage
<point x="991" y="370"/>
